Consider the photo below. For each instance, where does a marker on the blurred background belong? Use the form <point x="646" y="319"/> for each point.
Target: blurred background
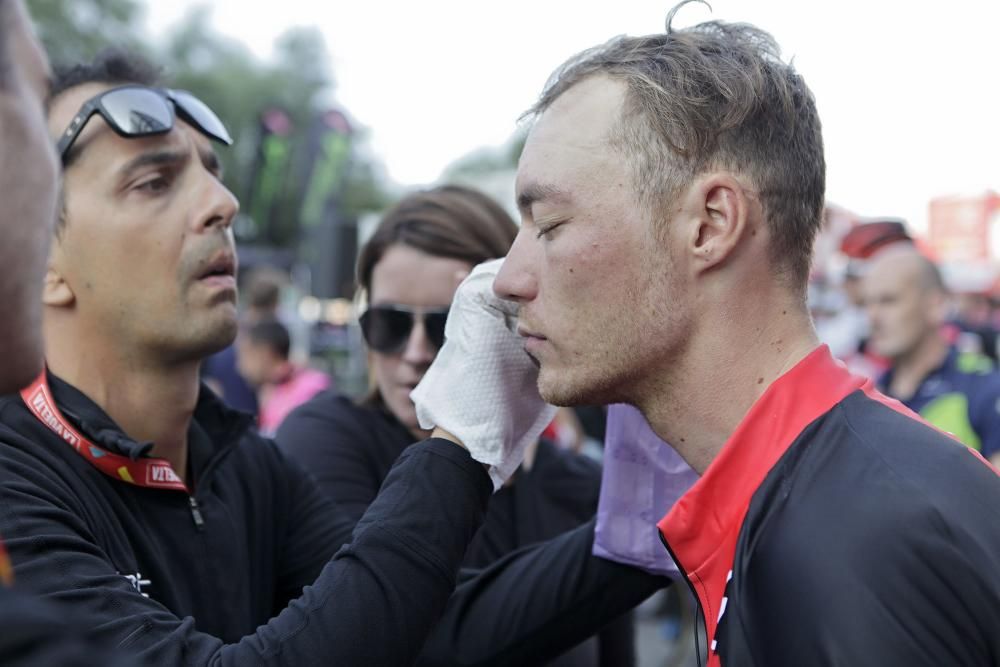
<point x="337" y="110"/>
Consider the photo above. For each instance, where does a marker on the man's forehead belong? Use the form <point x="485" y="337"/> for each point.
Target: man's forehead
<point x="64" y="106"/>
<point x="895" y="262"/>
<point x="574" y="131"/>
<point x="890" y="275"/>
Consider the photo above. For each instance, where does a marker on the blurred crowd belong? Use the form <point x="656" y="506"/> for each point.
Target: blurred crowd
<point x="925" y="336"/>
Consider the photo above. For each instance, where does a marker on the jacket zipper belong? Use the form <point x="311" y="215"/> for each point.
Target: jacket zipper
<point x="213" y="462"/>
<point x="199" y="520"/>
<point x="697" y="600"/>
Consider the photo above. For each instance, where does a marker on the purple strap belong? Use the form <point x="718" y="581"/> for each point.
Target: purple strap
<point x="643" y="477"/>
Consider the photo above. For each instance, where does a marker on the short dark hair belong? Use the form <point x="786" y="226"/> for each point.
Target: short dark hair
<point x="716" y="95"/>
<point x="111" y="65"/>
<point x="263" y="289"/>
<point x="272" y="334"/>
<point x="450" y="221"/>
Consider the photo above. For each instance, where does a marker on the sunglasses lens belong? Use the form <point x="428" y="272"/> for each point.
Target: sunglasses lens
<point x="386" y="329"/>
<point x="198" y="112"/>
<point x="434" y="323"/>
<point x="138" y="112"/>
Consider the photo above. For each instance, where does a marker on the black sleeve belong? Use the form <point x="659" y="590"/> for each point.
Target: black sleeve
<point x="373" y="604"/>
<point x="914" y="592"/>
<point x="319" y="529"/>
<point x="535" y="603"/>
<point x="333" y="445"/>
<point x="616" y="642"/>
<point x="36" y="634"/>
<point x="517" y="610"/>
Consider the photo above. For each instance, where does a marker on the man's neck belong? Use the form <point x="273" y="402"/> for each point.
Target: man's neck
<point x="910" y="370"/>
<point x="149" y="402"/>
<point x="727" y="367"/>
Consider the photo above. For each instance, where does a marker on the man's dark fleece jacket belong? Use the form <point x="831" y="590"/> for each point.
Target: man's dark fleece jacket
<point x="256" y="567"/>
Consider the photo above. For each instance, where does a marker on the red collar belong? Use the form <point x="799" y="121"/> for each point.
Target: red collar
<point x="145" y="471"/>
<point x="703" y="525"/>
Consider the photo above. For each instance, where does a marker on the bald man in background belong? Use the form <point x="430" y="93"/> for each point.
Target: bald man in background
<point x="959" y="392"/>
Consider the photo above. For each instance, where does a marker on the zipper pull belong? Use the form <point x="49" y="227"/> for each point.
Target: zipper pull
<point x="199" y="521"/>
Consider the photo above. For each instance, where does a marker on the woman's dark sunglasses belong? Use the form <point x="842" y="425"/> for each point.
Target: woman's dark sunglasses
<point x="387" y="327"/>
<point x="139" y="111"/>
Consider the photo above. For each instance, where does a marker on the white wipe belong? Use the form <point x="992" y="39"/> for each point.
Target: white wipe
<point x="482" y="387"/>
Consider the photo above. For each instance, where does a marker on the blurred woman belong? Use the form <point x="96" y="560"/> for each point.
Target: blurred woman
<point x="409" y="271"/>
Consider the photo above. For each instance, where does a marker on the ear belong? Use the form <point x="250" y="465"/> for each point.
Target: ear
<point x="939" y="307"/>
<point x="56" y="291"/>
<point x="721" y="216"/>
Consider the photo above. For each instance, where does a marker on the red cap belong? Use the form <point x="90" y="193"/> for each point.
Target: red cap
<point x="865" y="239"/>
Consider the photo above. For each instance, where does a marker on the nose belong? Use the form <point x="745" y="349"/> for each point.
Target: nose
<point x="220" y="205"/>
<point x="419" y="350"/>
<point x="516" y="280"/>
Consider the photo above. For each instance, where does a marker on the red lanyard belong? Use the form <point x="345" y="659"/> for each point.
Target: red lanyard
<point x="155" y="473"/>
<point x="6" y="571"/>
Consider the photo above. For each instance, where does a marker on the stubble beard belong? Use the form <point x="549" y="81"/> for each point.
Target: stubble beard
<point x="198" y="337"/>
<point x="602" y="377"/>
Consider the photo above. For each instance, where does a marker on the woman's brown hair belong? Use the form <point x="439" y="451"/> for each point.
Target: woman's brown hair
<point x="450" y="221"/>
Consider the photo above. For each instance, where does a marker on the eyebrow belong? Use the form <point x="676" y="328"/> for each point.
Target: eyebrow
<point x="536" y="192"/>
<point x="150" y="159"/>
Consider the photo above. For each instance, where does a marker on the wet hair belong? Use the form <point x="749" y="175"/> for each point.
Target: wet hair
<point x="714" y="96"/>
<point x="451" y="221"/>
<point x="272" y="334"/>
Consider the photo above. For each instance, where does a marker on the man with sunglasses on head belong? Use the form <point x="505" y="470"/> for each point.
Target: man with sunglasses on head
<point x="134" y="495"/>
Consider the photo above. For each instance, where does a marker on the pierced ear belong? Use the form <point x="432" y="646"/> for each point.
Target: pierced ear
<point x="723" y="219"/>
<point x="56" y="291"/>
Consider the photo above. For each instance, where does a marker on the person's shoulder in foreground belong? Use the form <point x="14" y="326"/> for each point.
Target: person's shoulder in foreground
<point x="77" y="534"/>
<point x="874" y="541"/>
<point x="346" y="446"/>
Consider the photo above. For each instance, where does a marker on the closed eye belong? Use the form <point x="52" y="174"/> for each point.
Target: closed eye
<point x="546" y="229"/>
<point x="153" y="185"/>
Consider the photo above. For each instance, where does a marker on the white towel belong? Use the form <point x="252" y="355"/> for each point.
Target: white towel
<point x="483" y="386"/>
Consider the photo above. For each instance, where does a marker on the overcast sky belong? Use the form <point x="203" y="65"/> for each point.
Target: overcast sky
<point x="909" y="98"/>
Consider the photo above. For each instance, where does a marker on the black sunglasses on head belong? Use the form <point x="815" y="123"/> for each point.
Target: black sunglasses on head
<point x="140" y="111"/>
<point x="387" y="327"/>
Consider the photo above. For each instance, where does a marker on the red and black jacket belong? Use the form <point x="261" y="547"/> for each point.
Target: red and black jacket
<point x="835" y="528"/>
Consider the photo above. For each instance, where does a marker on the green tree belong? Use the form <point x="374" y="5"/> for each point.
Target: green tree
<point x="488" y="160"/>
<point x="75" y="30"/>
<point x="237" y="85"/>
